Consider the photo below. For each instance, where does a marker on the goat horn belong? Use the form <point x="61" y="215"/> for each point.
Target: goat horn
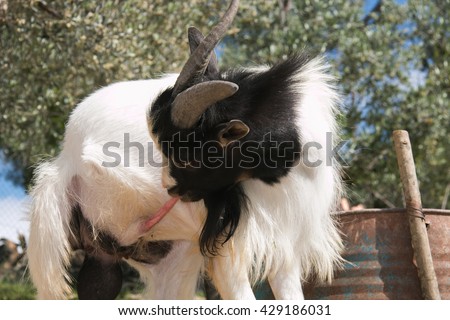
<point x="197" y="99"/>
<point x="195" y="38"/>
<point x="198" y="61"/>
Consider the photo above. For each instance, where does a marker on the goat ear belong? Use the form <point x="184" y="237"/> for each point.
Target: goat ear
<point x="231" y="131"/>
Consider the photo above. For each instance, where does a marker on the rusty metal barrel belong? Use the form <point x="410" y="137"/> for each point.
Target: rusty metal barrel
<point x="380" y="259"/>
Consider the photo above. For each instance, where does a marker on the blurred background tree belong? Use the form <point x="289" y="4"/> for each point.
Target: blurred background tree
<point x="54" y="53"/>
<point x="392" y="59"/>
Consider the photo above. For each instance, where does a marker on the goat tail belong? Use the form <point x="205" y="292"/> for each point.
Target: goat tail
<point x="49" y="247"/>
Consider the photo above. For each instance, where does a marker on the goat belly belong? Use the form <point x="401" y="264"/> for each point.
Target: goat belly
<point x="99" y="279"/>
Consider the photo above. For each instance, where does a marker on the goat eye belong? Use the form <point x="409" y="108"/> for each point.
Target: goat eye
<point x="183" y="163"/>
<point x="200" y="121"/>
<point x="180" y="163"/>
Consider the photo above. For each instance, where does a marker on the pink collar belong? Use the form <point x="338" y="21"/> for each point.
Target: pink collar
<point x="151" y="222"/>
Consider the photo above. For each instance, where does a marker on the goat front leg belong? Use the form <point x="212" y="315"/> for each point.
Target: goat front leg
<point x="230" y="276"/>
<point x="286" y="284"/>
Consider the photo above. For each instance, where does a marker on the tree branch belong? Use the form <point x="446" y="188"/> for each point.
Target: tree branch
<point x="383" y="199"/>
<point x="285" y="6"/>
<point x="44" y="7"/>
<point x="3" y="9"/>
<point x="376" y="9"/>
<point x="445" y="199"/>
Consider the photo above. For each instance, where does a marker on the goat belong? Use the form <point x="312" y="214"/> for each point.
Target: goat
<point x="255" y="221"/>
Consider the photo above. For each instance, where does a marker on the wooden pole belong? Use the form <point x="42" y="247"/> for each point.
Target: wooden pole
<point x="416" y="218"/>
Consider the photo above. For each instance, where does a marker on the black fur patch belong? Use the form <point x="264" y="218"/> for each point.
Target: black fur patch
<point x="103" y="243"/>
<point x="100" y="276"/>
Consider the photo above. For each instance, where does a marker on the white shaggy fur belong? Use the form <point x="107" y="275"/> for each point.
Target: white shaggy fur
<point x="287" y="235"/>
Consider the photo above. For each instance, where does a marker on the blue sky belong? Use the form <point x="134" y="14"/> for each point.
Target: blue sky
<point x="6" y="187"/>
<point x="369" y="4"/>
<point x="14" y="205"/>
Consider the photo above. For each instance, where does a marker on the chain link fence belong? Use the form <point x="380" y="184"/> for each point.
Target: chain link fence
<point x="14" y="210"/>
<point x="14" y="231"/>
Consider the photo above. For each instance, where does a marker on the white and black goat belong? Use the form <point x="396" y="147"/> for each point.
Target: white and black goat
<point x="255" y="202"/>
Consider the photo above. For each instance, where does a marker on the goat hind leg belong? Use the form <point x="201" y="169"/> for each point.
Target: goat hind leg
<point x="286" y="285"/>
<point x="175" y="276"/>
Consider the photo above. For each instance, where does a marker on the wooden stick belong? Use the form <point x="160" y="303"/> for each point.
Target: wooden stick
<point x="419" y="236"/>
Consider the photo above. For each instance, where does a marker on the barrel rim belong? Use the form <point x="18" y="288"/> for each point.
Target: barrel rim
<point x="426" y="211"/>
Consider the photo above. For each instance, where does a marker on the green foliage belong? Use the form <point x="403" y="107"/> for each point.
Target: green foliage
<point x="55" y="53"/>
<point x="392" y="65"/>
<point x="21" y="290"/>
